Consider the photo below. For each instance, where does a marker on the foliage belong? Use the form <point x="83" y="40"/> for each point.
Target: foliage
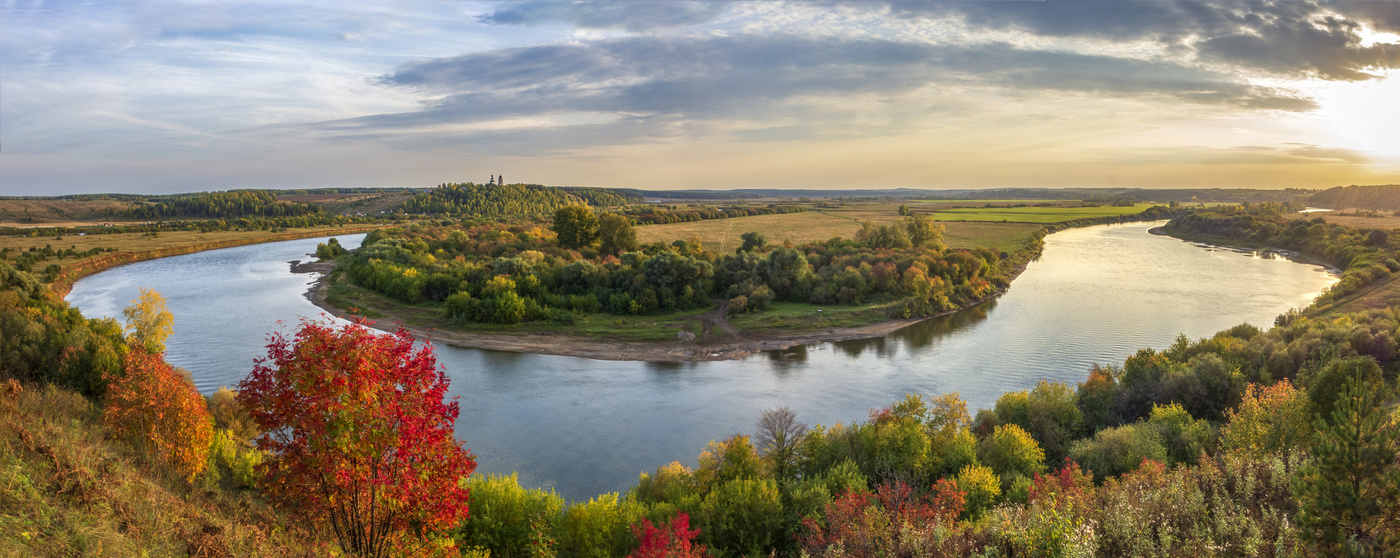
<point x="1270" y="420"/>
<point x="616" y="234"/>
<point x="148" y="323"/>
<point x="673" y="540"/>
<point x="1115" y="451"/>
<point x="230" y="415"/>
<point x="43" y="339"/>
<point x="508" y="520"/>
<point x="1347" y="492"/>
<point x="980" y="487"/>
<point x="1185" y="438"/>
<point x="359" y="436"/>
<point x="1048" y="412"/>
<point x="576" y="226"/>
<point x="153" y="406"/>
<point x="895" y="520"/>
<point x="493" y="201"/>
<point x="599" y="528"/>
<point x="1011" y="452"/>
<point x="218" y="205"/>
<point x="330" y="250"/>
<point x="563" y="275"/>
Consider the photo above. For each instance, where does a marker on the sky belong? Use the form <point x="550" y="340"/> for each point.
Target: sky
<point x="199" y="95"/>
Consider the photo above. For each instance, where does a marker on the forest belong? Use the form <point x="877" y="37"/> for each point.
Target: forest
<point x="490" y="201"/>
<point x="1385" y="197"/>
<point x="218" y="205"/>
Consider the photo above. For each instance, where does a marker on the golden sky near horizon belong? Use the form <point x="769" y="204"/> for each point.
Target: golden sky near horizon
<point x="166" y="96"/>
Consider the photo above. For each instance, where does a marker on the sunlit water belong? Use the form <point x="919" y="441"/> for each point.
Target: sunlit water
<point x="585" y="426"/>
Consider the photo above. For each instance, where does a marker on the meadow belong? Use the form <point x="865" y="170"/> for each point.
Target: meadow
<point x="722" y="235"/>
<point x="1043" y="215"/>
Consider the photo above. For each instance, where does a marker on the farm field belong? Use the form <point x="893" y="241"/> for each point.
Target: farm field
<point x="722" y="235"/>
<point x="1044" y="215"/>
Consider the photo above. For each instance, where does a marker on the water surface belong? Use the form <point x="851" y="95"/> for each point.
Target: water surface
<point x="584" y="426"/>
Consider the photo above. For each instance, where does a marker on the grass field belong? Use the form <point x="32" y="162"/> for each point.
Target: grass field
<point x="1044" y="215"/>
<point x="31" y="213"/>
<point x="722" y="235"/>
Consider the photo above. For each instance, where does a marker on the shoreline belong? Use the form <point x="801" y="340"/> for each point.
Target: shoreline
<point x="71" y="274"/>
<point x="1285" y="253"/>
<point x="574" y="346"/>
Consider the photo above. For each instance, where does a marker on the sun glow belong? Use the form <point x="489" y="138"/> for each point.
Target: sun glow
<point x="1364" y="115"/>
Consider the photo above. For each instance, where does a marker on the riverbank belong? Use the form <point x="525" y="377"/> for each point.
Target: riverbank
<point x="1244" y="247"/>
<point x="138" y="247"/>
<point x="739" y="344"/>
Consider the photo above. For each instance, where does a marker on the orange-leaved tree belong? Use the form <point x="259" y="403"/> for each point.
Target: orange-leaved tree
<point x="152" y="404"/>
<point x="360" y="438"/>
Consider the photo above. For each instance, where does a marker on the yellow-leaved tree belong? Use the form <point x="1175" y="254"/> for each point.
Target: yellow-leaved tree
<point x="148" y="323"/>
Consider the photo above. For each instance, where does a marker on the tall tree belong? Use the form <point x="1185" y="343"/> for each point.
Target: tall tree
<point x="616" y="234"/>
<point x="1347" y="494"/>
<point x="360" y="438"/>
<point x="779" y="432"/>
<point x="576" y="226"/>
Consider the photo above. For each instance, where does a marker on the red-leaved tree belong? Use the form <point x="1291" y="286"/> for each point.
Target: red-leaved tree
<point x="360" y="438"/>
<point x="667" y="541"/>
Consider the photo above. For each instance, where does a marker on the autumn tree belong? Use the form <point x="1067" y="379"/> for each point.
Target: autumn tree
<point x="360" y="438"/>
<point x="673" y="540"/>
<point x="616" y="234"/>
<point x="148" y="323"/>
<point x="576" y="226"/>
<point x="149" y="403"/>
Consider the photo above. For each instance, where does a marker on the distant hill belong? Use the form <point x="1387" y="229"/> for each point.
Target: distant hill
<point x="493" y="201"/>
<point x="1384" y="196"/>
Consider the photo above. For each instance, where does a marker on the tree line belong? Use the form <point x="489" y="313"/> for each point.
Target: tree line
<point x="1386" y="197"/>
<point x="586" y="264"/>
<point x="218" y="205"/>
<point x="492" y="201"/>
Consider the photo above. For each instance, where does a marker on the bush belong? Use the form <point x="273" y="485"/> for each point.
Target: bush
<point x="506" y="519"/>
<point x="1115" y="451"/>
<point x="151" y="405"/>
<point x="980" y="487"/>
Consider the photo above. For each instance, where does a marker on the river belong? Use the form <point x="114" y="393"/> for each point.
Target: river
<point x="585" y="427"/>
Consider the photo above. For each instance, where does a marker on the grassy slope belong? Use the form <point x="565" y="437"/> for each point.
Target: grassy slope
<point x="68" y="489"/>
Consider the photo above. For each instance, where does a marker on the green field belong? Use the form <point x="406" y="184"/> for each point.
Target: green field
<point x="722" y="235"/>
<point x="1044" y="215"/>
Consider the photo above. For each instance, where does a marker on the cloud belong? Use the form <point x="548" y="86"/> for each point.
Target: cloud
<point x="631" y="15"/>
<point x="1290" y="38"/>
<point x="1286" y="154"/>
<point x="768" y="78"/>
